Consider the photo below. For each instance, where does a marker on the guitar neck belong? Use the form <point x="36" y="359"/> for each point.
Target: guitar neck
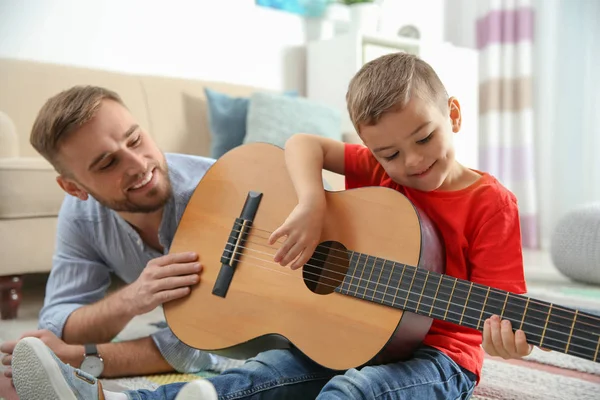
<point x="469" y="304"/>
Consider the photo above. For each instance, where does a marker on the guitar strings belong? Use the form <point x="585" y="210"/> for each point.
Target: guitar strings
<point x="376" y="270"/>
<point x="449" y="311"/>
<point x="394" y="264"/>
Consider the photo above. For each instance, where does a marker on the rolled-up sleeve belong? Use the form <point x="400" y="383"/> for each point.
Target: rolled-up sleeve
<point x="78" y="276"/>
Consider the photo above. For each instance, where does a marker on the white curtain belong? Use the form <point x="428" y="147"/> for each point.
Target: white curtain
<point x="504" y="33"/>
<point x="566" y="107"/>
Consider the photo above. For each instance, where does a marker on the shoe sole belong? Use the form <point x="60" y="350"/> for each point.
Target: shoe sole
<point x="198" y="390"/>
<point x="35" y="373"/>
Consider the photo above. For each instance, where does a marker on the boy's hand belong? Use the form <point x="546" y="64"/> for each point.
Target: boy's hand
<point x="500" y="341"/>
<point x="303" y="230"/>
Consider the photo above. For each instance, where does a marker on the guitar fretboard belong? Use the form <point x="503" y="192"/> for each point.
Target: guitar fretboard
<point x="468" y="304"/>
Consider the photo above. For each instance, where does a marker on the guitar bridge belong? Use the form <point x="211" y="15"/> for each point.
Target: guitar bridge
<point x="235" y="243"/>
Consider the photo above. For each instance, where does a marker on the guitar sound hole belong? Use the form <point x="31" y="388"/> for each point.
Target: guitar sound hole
<point x="326" y="269"/>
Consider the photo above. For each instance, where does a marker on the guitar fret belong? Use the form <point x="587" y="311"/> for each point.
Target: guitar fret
<point x="450" y="299"/>
<point x="524" y="313"/>
<point x="422" y="290"/>
<point x="377" y="295"/>
<point x="435" y="296"/>
<point x="362" y="283"/>
<point x="410" y="288"/>
<point x="571" y="332"/>
<point x="473" y="310"/>
<point x="466" y="302"/>
<point x="546" y="324"/>
<point x="429" y="292"/>
<point x="370" y="285"/>
<point x="399" y="287"/>
<point x="354" y="272"/>
<point x="483" y="308"/>
<point x="597" y="348"/>
<point x="584" y="336"/>
<point x="388" y="298"/>
<point x="557" y="332"/>
<point x="504" y="306"/>
<point x="534" y="313"/>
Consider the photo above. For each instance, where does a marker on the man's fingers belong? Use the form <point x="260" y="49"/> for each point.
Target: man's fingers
<point x="8" y="372"/>
<point x="178" y="269"/>
<point x="176" y="282"/>
<point x="169" y="295"/>
<point x="8" y="347"/>
<point x="175" y="258"/>
<point x="7" y="359"/>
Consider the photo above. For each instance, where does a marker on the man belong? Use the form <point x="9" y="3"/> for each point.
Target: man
<point x="125" y="201"/>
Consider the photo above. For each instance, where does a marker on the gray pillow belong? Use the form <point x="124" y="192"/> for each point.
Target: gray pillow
<point x="575" y="244"/>
<point x="273" y="118"/>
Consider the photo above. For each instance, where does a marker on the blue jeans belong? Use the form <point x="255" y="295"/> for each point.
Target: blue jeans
<point x="288" y="374"/>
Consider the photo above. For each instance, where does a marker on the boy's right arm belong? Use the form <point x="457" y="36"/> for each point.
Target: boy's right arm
<point x="306" y="156"/>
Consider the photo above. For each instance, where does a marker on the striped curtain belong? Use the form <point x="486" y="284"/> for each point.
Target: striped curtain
<point x="504" y="40"/>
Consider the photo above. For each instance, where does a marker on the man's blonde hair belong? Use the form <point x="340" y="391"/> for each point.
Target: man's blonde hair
<point x="64" y="113"/>
<point x="388" y="83"/>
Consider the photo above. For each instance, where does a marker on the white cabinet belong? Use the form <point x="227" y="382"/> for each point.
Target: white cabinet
<point x="332" y="63"/>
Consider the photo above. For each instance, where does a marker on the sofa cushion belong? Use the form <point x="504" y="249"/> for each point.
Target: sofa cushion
<point x="227" y="116"/>
<point x="9" y="146"/>
<point x="273" y="118"/>
<point x="28" y="188"/>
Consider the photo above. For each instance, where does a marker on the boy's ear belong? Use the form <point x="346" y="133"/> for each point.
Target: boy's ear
<point x="72" y="187"/>
<point x="455" y="114"/>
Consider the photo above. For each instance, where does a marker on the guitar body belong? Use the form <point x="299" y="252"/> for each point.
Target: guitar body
<point x="268" y="306"/>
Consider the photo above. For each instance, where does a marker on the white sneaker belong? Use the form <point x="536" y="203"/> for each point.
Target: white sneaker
<point x="39" y="375"/>
<point x="200" y="389"/>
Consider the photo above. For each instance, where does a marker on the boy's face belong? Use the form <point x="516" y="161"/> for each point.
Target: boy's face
<point x="415" y="145"/>
<point x="114" y="160"/>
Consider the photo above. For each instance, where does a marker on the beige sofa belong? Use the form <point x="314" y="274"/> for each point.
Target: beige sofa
<point x="174" y="111"/>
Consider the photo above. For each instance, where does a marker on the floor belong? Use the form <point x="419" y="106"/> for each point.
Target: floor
<point x="541" y="276"/>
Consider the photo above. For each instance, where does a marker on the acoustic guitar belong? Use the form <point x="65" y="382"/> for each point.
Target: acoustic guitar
<point x="369" y="293"/>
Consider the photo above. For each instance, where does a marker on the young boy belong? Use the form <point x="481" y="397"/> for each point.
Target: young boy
<point x="407" y="122"/>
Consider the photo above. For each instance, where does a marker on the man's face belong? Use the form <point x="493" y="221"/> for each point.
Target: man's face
<point x="414" y="145"/>
<point x="112" y="159"/>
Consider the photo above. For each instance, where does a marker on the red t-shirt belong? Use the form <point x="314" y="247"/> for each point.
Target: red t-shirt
<point x="480" y="229"/>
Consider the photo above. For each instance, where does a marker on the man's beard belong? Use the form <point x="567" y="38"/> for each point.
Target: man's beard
<point x="159" y="195"/>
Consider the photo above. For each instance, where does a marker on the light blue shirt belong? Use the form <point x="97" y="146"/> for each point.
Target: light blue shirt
<point x="94" y="242"/>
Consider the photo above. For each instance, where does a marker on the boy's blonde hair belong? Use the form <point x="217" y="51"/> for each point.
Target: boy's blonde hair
<point x="64" y="113"/>
<point x="387" y="84"/>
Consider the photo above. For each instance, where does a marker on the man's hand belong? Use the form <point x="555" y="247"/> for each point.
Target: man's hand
<point x="164" y="279"/>
<point x="303" y="231"/>
<point x="67" y="353"/>
<point x="500" y="341"/>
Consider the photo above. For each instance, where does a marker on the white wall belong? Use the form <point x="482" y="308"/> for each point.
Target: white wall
<point x="222" y="40"/>
<point x="460" y="22"/>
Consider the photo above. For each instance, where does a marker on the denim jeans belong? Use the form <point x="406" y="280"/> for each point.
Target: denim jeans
<point x="288" y="374"/>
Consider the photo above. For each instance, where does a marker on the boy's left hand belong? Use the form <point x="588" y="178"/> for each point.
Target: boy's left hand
<point x="500" y="341"/>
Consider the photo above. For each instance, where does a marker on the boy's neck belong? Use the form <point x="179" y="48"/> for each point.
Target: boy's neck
<point x="460" y="177"/>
